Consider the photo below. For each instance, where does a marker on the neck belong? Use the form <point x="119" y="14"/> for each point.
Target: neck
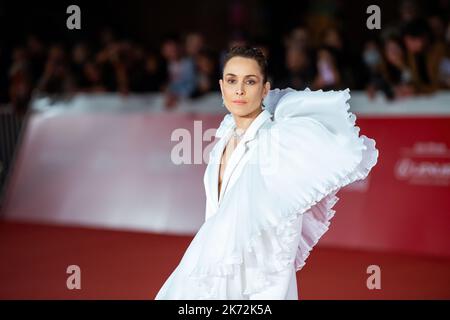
<point x="242" y="123"/>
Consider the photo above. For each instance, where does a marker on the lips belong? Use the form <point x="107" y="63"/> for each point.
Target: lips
<point x="239" y="101"/>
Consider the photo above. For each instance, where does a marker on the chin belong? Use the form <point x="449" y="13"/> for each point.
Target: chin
<point x="240" y="112"/>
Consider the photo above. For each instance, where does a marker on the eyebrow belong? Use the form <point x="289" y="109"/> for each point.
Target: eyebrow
<point x="248" y="75"/>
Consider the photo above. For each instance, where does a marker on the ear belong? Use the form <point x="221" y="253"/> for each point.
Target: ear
<point x="220" y="84"/>
<point x="266" y="88"/>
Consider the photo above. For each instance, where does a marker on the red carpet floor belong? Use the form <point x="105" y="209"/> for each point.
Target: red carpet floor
<point x="133" y="265"/>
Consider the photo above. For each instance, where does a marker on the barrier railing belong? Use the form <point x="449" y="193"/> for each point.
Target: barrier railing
<point x="10" y="128"/>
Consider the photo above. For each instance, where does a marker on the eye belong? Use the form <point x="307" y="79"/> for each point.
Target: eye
<point x="230" y="80"/>
<point x="251" y="81"/>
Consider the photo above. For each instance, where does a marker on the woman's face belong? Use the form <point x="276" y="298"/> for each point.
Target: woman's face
<point x="242" y="86"/>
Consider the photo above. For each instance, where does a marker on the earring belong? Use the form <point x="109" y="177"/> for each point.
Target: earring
<point x="263" y="106"/>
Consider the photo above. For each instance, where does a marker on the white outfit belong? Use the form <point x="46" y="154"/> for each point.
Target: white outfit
<point x="276" y="199"/>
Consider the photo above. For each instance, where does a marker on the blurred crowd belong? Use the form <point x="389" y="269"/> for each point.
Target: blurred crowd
<point x="411" y="57"/>
<point x="408" y="57"/>
<point x="182" y="67"/>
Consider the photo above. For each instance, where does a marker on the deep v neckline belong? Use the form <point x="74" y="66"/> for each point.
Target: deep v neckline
<point x="223" y="153"/>
<point x="238" y="151"/>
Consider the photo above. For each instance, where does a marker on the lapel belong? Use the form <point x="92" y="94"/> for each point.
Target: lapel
<point x="236" y="158"/>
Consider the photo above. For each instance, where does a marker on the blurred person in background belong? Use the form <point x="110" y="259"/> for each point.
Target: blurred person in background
<point x="181" y="73"/>
<point x="20" y="81"/>
<point x="151" y="75"/>
<point x="56" y="78"/>
<point x="106" y="37"/>
<point x="207" y="73"/>
<point x="321" y="16"/>
<point x="92" y="78"/>
<point x="36" y="52"/>
<point x="299" y="71"/>
<point x="80" y="55"/>
<point x="333" y="44"/>
<point x="328" y="76"/>
<point x="300" y="36"/>
<point x="408" y="11"/>
<point x="395" y="71"/>
<point x="135" y="68"/>
<point x="387" y="68"/>
<point x="372" y="61"/>
<point x="423" y="56"/>
<point x="121" y="60"/>
<point x="437" y="25"/>
<point x="113" y="65"/>
<point x="194" y="42"/>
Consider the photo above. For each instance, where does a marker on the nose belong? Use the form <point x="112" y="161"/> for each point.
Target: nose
<point x="239" y="91"/>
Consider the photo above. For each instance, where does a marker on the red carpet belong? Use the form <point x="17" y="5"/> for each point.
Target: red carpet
<point x="133" y="265"/>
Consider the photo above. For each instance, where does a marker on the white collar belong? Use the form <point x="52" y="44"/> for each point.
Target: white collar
<point x="228" y="124"/>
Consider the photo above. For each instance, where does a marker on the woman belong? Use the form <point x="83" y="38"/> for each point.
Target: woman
<point x="395" y="71"/>
<point x="270" y="185"/>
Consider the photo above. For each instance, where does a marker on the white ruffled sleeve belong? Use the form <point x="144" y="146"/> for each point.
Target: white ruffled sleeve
<point x="314" y="150"/>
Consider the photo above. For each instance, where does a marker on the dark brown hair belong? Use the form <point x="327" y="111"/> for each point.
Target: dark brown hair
<point x="248" y="52"/>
